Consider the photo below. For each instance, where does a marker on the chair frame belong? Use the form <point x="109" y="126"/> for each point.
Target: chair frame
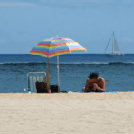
<point x="32" y="84"/>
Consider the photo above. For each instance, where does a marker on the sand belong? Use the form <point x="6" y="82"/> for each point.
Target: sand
<point x="67" y="113"/>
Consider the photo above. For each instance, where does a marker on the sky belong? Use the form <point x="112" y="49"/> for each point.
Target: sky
<point x="24" y="23"/>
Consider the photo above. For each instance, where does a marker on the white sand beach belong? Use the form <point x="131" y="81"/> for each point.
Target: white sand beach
<point x="67" y="113"/>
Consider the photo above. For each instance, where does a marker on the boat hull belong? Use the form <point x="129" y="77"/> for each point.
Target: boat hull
<point x="115" y="55"/>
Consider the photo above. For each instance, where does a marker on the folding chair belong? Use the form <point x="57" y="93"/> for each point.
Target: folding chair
<point x="32" y="78"/>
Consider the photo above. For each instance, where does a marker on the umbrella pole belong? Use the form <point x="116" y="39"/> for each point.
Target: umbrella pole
<point x="48" y="72"/>
<point x="58" y="73"/>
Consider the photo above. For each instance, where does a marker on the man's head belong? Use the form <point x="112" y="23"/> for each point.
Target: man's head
<point x="93" y="75"/>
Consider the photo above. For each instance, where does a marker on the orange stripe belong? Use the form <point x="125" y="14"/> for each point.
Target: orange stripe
<point x="49" y="54"/>
<point x="59" y="53"/>
<point x="38" y="52"/>
<point x="51" y="45"/>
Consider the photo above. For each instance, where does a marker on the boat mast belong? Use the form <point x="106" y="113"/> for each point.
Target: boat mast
<point x="113" y="43"/>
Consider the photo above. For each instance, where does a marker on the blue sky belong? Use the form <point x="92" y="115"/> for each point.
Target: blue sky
<point x="24" y="23"/>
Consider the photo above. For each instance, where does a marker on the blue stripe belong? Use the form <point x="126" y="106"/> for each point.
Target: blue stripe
<point x="51" y="49"/>
<point x="76" y="45"/>
<point x="47" y="42"/>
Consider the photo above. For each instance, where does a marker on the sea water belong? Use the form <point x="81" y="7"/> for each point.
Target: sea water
<point x="118" y="72"/>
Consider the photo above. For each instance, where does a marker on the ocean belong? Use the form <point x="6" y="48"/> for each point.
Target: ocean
<point x="118" y="72"/>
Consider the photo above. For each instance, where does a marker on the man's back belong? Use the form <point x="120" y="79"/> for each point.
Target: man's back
<point x="95" y="83"/>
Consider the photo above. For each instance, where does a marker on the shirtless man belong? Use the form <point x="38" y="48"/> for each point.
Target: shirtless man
<point x="94" y="83"/>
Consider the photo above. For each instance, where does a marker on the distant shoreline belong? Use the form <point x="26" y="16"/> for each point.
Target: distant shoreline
<point x="73" y="54"/>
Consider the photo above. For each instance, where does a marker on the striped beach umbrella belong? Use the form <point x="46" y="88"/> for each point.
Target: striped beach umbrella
<point x="56" y="46"/>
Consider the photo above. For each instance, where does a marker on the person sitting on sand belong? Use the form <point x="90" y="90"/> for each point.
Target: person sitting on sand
<point x="94" y="83"/>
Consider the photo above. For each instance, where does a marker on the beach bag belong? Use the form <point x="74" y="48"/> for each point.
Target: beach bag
<point x="41" y="87"/>
<point x="54" y="88"/>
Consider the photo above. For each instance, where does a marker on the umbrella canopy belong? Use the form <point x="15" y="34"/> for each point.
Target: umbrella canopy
<point x="56" y="46"/>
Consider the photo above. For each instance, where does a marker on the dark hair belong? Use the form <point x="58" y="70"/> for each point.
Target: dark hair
<point x="93" y="75"/>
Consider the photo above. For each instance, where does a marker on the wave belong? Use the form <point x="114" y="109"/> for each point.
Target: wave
<point x="102" y="63"/>
<point x="125" y="63"/>
<point x="70" y="63"/>
<point x="21" y="63"/>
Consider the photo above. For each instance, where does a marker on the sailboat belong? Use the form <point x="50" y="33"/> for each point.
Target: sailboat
<point x="115" y="48"/>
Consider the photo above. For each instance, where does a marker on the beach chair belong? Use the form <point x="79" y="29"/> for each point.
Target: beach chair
<point x="32" y="78"/>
